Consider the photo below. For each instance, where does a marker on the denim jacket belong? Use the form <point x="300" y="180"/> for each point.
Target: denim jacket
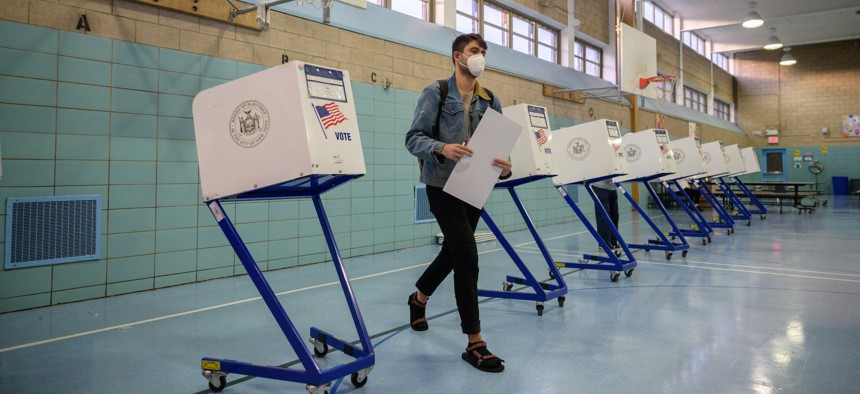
<point x="452" y="127"/>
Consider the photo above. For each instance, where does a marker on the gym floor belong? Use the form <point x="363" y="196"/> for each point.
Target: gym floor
<point x="772" y="308"/>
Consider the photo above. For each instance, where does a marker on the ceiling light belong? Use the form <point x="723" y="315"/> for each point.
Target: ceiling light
<point x="753" y="19"/>
<point x="787" y="59"/>
<point x="772" y="42"/>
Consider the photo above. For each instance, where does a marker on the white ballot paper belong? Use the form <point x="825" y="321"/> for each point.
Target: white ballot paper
<point x="473" y="177"/>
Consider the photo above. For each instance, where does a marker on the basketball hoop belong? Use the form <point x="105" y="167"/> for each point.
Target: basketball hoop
<point x="644" y="82"/>
<point x="670" y="79"/>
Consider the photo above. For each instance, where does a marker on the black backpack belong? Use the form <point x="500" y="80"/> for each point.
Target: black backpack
<point x="443" y="94"/>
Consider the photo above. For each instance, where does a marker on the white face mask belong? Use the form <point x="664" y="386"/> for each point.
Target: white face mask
<point x="475" y="64"/>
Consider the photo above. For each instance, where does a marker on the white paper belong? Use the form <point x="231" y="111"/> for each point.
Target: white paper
<point x="473" y="177"/>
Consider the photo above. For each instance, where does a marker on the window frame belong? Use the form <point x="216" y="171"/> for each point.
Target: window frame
<point x="723" y="61"/>
<point x="695" y="99"/>
<point x="722" y="110"/>
<point x="690" y="38"/>
<point x="651" y="10"/>
<point x="535" y="44"/>
<point x="429" y="11"/>
<point x="580" y="62"/>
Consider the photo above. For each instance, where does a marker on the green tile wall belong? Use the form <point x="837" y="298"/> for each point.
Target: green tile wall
<point x="88" y="115"/>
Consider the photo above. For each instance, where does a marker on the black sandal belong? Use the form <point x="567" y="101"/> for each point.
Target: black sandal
<point x="416" y="313"/>
<point x="480" y="357"/>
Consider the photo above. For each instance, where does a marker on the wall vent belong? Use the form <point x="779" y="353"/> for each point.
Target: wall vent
<point x="422" y="205"/>
<point x="52" y="230"/>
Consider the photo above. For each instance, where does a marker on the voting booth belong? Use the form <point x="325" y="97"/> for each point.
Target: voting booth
<point x="688" y="158"/>
<point x="688" y="162"/>
<point x="280" y="124"/>
<point x="532" y="160"/>
<point x="751" y="167"/>
<point x="736" y="166"/>
<point x="736" y="163"/>
<point x="532" y="154"/>
<point x="588" y="153"/>
<point x="750" y="161"/>
<point x="290" y="131"/>
<point x="714" y="157"/>
<point x="716" y="166"/>
<point x="648" y="156"/>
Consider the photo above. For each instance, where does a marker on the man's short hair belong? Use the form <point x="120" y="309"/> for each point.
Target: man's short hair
<point x="463" y="40"/>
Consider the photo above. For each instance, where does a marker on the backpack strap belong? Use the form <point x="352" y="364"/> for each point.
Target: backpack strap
<point x="443" y="94"/>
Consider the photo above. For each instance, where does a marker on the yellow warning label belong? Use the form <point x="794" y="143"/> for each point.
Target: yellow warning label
<point x="211" y="365"/>
<point x="559" y="265"/>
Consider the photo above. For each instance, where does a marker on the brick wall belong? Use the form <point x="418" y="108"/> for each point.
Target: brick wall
<point x="799" y="100"/>
<point x="594" y="19"/>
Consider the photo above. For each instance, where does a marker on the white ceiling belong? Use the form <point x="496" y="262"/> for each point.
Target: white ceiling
<point x="797" y="22"/>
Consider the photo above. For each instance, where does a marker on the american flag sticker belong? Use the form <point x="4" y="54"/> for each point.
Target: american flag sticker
<point x="541" y="136"/>
<point x="329" y="115"/>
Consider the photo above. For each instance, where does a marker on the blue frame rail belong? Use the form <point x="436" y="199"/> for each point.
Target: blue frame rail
<point x="662" y="242"/>
<point x="616" y="264"/>
<point x="740" y="211"/>
<point x="761" y="210"/>
<point x="542" y="291"/>
<point x="316" y="379"/>
<point x="723" y="219"/>
<point x="699" y="227"/>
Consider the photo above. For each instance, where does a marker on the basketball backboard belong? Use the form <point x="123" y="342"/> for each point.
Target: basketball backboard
<point x="638" y="60"/>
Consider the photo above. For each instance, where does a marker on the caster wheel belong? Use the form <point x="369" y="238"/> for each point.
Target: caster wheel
<point x="710" y="240"/>
<point x="613" y="276"/>
<point x="560" y="302"/>
<point x="222" y="382"/>
<point x="618" y="252"/>
<point x="668" y="255"/>
<point x="749" y="222"/>
<point x="551" y="274"/>
<point x="647" y="250"/>
<point x="629" y="272"/>
<point x="762" y="217"/>
<point x="321" y="352"/>
<point x="508" y="286"/>
<point x="704" y="241"/>
<point x="728" y="232"/>
<point x="673" y="238"/>
<point x="355" y="380"/>
<point x="684" y="253"/>
<point x="539" y="308"/>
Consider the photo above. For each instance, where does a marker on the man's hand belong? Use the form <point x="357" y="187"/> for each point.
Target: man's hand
<point x="456" y="151"/>
<point x="504" y="165"/>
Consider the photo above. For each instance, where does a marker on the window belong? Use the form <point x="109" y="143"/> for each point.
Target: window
<point x="496" y="28"/>
<point x="505" y="27"/>
<point x="774" y="162"/>
<point x="695" y="100"/>
<point x="587" y="58"/>
<point x="694" y="41"/>
<point x="722" y="61"/>
<point x="417" y="8"/>
<point x="666" y="90"/>
<point x="722" y="110"/>
<point x="658" y="16"/>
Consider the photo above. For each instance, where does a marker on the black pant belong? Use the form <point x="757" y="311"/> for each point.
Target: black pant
<point x="609" y="200"/>
<point x="458" y="221"/>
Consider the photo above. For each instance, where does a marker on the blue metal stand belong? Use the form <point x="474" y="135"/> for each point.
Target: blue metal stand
<point x="662" y="242"/>
<point x="740" y="210"/>
<point x="542" y="291"/>
<point x="761" y="210"/>
<point x="316" y="379"/>
<point x="699" y="226"/>
<point x="723" y="219"/>
<point x="616" y="265"/>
